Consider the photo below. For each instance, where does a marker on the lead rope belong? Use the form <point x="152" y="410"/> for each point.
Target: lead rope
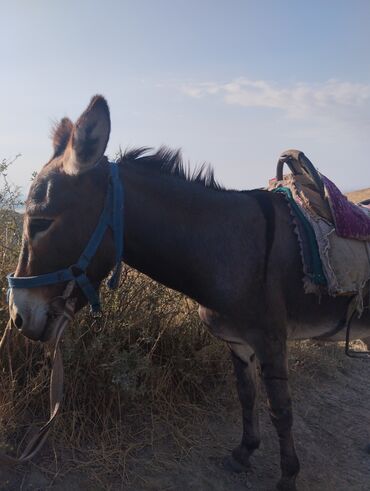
<point x="56" y="390"/>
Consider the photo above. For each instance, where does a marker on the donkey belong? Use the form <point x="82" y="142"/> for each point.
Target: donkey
<point x="234" y="252"/>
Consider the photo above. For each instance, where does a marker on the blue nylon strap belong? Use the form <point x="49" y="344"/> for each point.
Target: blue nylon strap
<point x="97" y="235"/>
<point x="41" y="280"/>
<point x="89" y="291"/>
<point x="111" y="216"/>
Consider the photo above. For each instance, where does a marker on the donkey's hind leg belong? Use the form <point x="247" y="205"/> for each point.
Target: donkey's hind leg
<point x="244" y="361"/>
<point x="272" y="354"/>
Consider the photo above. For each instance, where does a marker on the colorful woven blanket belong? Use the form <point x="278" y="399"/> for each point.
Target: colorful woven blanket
<point x="350" y="220"/>
<point x="312" y="264"/>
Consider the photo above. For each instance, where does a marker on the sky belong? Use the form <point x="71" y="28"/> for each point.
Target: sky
<point x="233" y="83"/>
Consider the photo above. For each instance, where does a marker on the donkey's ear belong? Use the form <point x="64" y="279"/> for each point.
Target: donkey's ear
<point x="89" y="137"/>
<point x="61" y="134"/>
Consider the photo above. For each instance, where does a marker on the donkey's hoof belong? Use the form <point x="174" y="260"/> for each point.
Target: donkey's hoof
<point x="286" y="485"/>
<point x="232" y="465"/>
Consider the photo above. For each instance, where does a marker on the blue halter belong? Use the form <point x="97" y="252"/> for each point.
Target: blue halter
<point x="112" y="216"/>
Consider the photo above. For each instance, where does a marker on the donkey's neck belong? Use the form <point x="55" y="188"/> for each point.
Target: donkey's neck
<point x="177" y="232"/>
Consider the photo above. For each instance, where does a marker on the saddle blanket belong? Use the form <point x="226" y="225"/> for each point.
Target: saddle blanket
<point x="345" y="261"/>
<point x="332" y="264"/>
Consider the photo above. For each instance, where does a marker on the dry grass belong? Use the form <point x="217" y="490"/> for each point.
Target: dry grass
<point x="140" y="376"/>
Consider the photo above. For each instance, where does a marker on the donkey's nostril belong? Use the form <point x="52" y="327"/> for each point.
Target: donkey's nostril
<point x="18" y="321"/>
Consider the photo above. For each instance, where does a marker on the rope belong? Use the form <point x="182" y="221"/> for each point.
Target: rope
<point x="56" y="390"/>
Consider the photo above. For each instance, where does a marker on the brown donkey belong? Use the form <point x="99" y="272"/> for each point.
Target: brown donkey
<point x="235" y="253"/>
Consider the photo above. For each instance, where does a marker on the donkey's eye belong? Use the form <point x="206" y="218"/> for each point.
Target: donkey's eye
<point x="37" y="225"/>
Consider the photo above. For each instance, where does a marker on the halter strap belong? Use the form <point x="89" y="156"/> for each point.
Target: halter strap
<point x="111" y="216"/>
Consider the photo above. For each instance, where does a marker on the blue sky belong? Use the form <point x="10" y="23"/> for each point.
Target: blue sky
<point x="233" y="83"/>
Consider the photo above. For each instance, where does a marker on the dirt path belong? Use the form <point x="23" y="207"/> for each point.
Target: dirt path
<point x="332" y="429"/>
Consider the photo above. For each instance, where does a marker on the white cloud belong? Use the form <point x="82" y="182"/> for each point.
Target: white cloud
<point x="333" y="98"/>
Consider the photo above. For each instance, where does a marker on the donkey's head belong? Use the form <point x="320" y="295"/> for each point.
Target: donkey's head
<point x="62" y="210"/>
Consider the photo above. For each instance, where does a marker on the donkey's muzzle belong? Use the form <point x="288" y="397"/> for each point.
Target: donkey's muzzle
<point x="29" y="313"/>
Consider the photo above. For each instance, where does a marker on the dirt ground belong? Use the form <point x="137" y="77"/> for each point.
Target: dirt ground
<point x="331" y="396"/>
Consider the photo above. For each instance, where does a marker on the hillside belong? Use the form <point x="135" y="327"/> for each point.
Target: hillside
<point x="360" y="195"/>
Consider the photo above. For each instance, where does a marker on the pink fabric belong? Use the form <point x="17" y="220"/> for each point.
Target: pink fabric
<point x="350" y="221"/>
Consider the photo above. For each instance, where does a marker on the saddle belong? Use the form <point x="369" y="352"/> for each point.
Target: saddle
<point x="318" y="195"/>
<point x="337" y="260"/>
<point x="333" y="234"/>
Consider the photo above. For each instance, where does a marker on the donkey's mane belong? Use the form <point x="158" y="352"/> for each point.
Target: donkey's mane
<point x="169" y="162"/>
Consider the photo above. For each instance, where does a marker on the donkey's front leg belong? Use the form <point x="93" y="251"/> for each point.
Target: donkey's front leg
<point x="244" y="361"/>
<point x="274" y="367"/>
